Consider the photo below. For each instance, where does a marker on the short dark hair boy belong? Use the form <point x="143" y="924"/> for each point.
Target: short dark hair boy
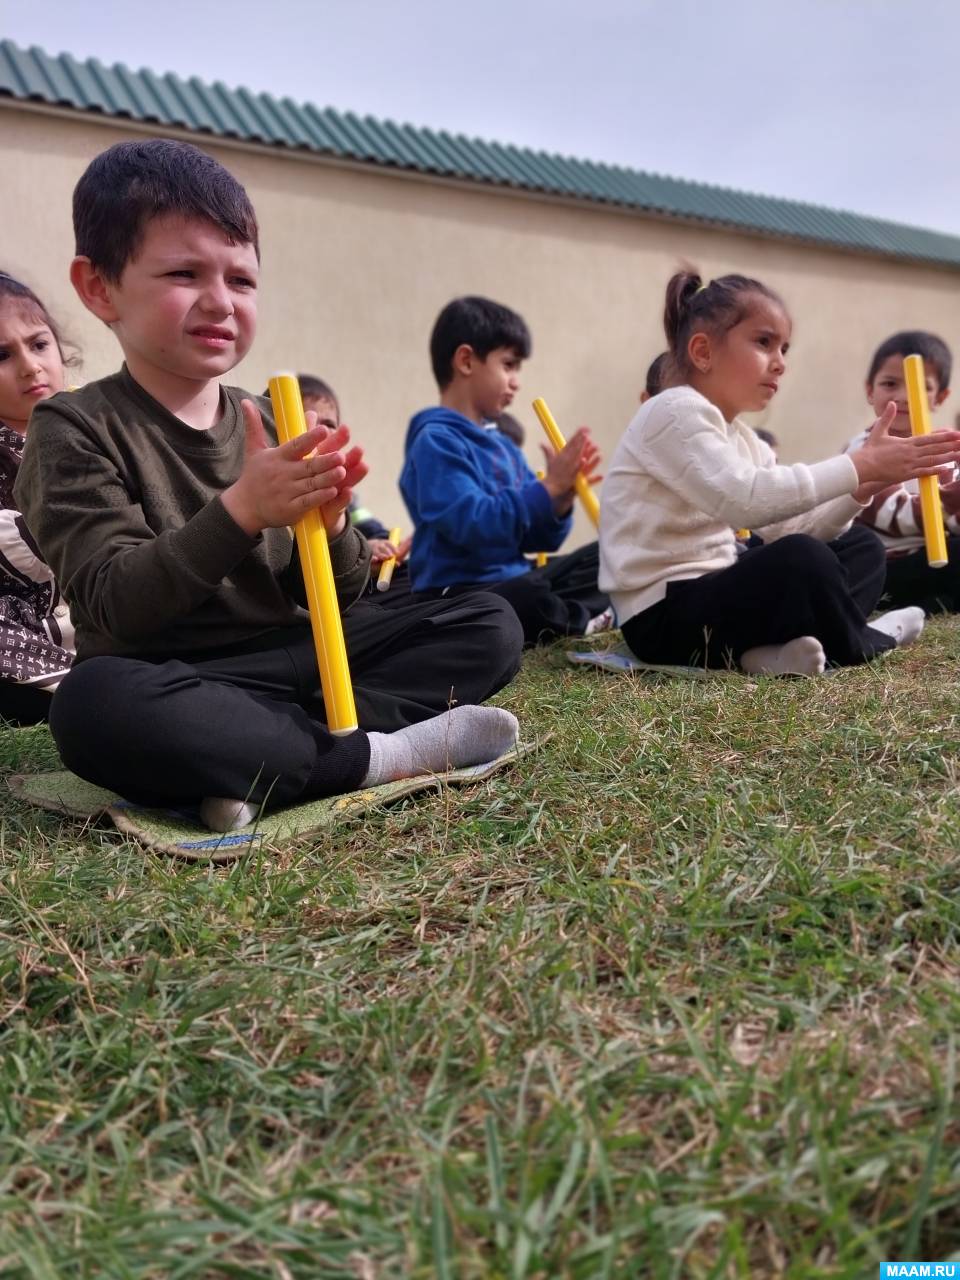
<point x="158" y="500"/>
<point x="915" y="342"/>
<point x="896" y="512"/>
<point x="478" y="323"/>
<point x="131" y="183"/>
<point x="477" y="508"/>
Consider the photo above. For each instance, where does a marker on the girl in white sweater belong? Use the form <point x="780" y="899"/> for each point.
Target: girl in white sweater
<point x="687" y="474"/>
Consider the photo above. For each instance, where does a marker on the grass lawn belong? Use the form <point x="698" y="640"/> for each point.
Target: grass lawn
<point x="677" y="997"/>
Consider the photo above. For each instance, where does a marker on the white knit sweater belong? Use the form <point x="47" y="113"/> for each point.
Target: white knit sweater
<point x="683" y="479"/>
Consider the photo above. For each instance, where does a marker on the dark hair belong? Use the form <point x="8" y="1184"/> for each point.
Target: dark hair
<point x="656" y="374"/>
<point x="716" y="307"/>
<point x="512" y="429"/>
<point x="915" y="342"/>
<point x="10" y="287"/>
<point x="312" y="388"/>
<point x="767" y="437"/>
<point x="479" y="323"/>
<point x="131" y="183"/>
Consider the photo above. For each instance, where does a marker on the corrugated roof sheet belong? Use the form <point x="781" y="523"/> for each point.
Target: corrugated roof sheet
<point x="214" y="110"/>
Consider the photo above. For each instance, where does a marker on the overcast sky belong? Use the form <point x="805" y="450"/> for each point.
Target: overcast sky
<point x="849" y="103"/>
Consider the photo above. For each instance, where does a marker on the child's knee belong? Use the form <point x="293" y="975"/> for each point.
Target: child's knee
<point x="79" y="711"/>
<point x="802" y="556"/>
<point x="96" y="708"/>
<point x="507" y="630"/>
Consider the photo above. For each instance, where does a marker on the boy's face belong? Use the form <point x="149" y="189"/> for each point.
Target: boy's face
<point x="494" y="381"/>
<point x="186" y="306"/>
<point x="328" y="415"/>
<point x="889" y="384"/>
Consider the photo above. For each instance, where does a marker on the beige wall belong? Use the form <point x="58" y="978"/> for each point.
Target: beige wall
<point x="357" y="264"/>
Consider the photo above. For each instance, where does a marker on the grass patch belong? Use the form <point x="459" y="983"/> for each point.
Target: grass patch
<point x="677" y="997"/>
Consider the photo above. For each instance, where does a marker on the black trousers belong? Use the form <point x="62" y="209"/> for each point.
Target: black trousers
<point x="557" y="600"/>
<point x="24" y="704"/>
<point x="796" y="586"/>
<point x="248" y="721"/>
<point x="910" y="580"/>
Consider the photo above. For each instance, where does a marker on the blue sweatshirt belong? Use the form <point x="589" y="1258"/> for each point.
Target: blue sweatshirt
<point x="476" y="506"/>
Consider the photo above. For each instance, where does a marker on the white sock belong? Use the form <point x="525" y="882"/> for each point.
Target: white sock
<point x="904" y="625"/>
<point x="602" y="622"/>
<point x="801" y="657"/>
<point x="464" y="735"/>
<point x="220" y="814"/>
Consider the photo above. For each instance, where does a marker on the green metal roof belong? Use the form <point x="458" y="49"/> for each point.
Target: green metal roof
<point x="30" y="75"/>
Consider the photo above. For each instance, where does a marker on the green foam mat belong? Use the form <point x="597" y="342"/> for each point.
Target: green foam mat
<point x="181" y="834"/>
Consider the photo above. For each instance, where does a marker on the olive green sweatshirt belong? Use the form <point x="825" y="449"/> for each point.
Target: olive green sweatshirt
<point x="123" y="500"/>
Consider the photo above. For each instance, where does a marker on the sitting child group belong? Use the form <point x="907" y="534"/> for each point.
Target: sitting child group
<point x="150" y="577"/>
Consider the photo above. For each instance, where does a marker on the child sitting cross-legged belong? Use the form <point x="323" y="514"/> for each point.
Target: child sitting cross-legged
<point x="161" y="501"/>
<point x="476" y="506"/>
<point x="895" y="512"/>
<point x="687" y="473"/>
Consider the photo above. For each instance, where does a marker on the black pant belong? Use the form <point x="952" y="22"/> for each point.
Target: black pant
<point x="910" y="580"/>
<point x="24" y="704"/>
<point x="248" y="722"/>
<point x="796" y="586"/>
<point x="557" y="600"/>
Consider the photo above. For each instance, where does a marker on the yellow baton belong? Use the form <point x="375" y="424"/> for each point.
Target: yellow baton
<point x="930" y="508"/>
<point x="317" y="575"/>
<point x="586" y="495"/>
<point x="385" y="577"/>
<point x="541" y="555"/>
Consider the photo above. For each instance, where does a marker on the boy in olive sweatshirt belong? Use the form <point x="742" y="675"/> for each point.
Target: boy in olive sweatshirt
<point x="161" y="501"/>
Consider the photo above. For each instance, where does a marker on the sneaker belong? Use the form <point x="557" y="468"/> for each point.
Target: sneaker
<point x="605" y="621"/>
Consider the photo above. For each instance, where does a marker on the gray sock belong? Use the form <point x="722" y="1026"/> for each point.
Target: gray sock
<point x="465" y="735"/>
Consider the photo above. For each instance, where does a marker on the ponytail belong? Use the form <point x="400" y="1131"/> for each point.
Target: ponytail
<point x="715" y="308"/>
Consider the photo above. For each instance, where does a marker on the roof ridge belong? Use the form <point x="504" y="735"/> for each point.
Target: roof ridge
<point x="214" y="109"/>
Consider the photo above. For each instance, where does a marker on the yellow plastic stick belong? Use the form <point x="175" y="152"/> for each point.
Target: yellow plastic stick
<point x="541" y="555"/>
<point x="586" y="495"/>
<point x="317" y="575"/>
<point x="930" y="508"/>
<point x="385" y="577"/>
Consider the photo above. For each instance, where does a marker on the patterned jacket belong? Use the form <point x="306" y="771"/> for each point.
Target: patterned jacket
<point x="36" y="634"/>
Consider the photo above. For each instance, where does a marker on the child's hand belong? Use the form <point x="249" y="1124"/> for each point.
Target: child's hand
<point x="578" y="455"/>
<point x="885" y="459"/>
<point x="333" y="513"/>
<point x="383" y="549"/>
<point x="278" y="485"/>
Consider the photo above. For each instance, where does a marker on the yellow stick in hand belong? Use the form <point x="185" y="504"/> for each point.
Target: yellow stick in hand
<point x="385" y="577"/>
<point x="317" y="575"/>
<point x="930" y="508"/>
<point x="541" y="555"/>
<point x="586" y="495"/>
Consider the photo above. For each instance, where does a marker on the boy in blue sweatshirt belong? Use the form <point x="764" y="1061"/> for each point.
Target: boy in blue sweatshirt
<point x="477" y="508"/>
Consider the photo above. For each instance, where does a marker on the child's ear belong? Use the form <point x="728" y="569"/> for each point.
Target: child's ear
<point x="93" y="290"/>
<point x="699" y="352"/>
<point x="941" y="395"/>
<point x="464" y="359"/>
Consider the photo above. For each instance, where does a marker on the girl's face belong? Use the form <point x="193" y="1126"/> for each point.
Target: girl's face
<point x="30" y="365"/>
<point x="740" y="370"/>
